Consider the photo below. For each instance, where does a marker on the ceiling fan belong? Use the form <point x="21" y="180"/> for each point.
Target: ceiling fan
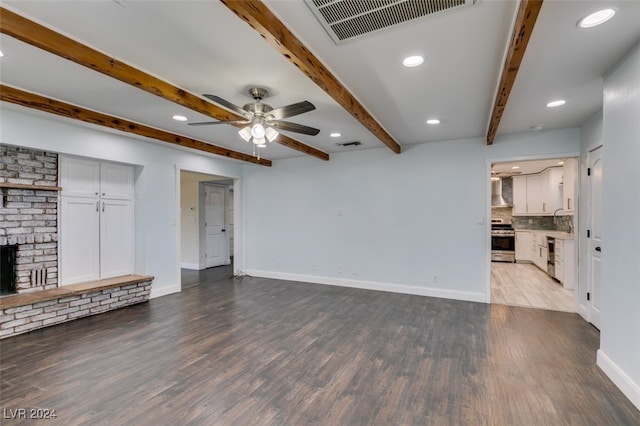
<point x="262" y="119"/>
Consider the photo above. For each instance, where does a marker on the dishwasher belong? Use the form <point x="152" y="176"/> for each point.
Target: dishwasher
<point x="551" y="256"/>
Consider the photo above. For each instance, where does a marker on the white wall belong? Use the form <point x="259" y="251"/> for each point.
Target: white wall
<point x="156" y="214"/>
<point x="619" y="354"/>
<point x="374" y="219"/>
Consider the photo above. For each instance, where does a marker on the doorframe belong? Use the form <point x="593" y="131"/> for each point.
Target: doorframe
<point x="175" y="220"/>
<point x="588" y="224"/>
<point x="202" y="231"/>
<point x="487" y="221"/>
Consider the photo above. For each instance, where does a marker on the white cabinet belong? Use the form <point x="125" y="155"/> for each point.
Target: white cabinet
<point x="524" y="246"/>
<point x="96" y="220"/>
<point x="519" y="195"/>
<point x="564" y="259"/>
<point x="541" y="251"/>
<point x="570" y="174"/>
<point x="537" y="194"/>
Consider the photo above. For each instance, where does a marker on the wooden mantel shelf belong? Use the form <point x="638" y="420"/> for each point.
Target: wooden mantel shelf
<point x="26" y="186"/>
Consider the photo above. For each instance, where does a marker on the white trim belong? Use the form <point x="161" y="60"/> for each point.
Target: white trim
<point x="193" y="266"/>
<point x="164" y="290"/>
<point x="619" y="378"/>
<point x="371" y="285"/>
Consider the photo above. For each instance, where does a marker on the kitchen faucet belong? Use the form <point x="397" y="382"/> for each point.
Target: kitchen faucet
<point x="554" y="215"/>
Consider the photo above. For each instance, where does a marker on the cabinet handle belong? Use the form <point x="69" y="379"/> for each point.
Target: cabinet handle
<point x="97" y="206"/>
<point x="568" y="203"/>
<point x="544" y="207"/>
<point x="103" y="206"/>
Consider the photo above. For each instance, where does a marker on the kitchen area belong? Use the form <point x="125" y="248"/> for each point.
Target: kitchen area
<point x="533" y="249"/>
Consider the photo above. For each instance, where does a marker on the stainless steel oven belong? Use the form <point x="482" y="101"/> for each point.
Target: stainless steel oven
<point x="503" y="243"/>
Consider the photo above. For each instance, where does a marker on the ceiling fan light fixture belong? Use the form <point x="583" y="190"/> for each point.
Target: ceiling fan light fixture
<point x="245" y="133"/>
<point x="271" y="134"/>
<point x="596" y="18"/>
<point x="257" y="131"/>
<point x="261" y="142"/>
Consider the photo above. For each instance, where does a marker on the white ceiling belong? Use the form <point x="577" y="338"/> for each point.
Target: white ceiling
<point x="204" y="48"/>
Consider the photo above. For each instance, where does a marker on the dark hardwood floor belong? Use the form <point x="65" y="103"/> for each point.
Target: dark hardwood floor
<point x="265" y="352"/>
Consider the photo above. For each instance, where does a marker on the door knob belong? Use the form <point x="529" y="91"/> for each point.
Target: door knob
<point x="598" y="248"/>
<point x="223" y="230"/>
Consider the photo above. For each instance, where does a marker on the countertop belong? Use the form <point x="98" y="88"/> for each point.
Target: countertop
<point x="555" y="234"/>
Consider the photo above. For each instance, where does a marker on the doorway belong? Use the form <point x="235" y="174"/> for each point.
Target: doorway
<point x="535" y="205"/>
<point x="207" y="228"/>
<point x="594" y="243"/>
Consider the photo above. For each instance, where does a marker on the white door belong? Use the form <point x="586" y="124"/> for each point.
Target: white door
<point x="216" y="241"/>
<point x="116" y="238"/>
<point x="595" y="230"/>
<point x="79" y="240"/>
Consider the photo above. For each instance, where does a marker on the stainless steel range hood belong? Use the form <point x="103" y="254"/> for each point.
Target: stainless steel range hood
<point x="497" y="200"/>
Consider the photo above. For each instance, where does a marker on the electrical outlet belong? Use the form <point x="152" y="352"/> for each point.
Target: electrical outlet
<point x="436" y="278"/>
<point x="530" y="221"/>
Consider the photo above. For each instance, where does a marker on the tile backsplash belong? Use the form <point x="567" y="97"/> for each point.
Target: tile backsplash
<point x="561" y="223"/>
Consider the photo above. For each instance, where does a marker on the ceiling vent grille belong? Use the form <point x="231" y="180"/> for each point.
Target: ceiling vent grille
<point x="346" y="20"/>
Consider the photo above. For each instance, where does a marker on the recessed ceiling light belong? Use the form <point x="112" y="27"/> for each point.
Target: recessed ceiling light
<point x="1" y="54"/>
<point x="596" y="18"/>
<point x="179" y="118"/>
<point x="560" y="163"/>
<point x="515" y="167"/>
<point x="433" y="121"/>
<point x="412" y="61"/>
<point x="537" y="127"/>
<point x="335" y="135"/>
<point x="557" y="103"/>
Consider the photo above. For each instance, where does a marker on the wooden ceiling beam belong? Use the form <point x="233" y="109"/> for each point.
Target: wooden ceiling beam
<point x="525" y="22"/>
<point x="46" y="39"/>
<point x="260" y="18"/>
<point x="52" y="106"/>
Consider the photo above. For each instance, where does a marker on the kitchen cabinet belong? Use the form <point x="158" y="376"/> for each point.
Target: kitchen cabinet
<point x="570" y="173"/>
<point x="519" y="195"/>
<point x="96" y="220"/>
<point x="540" y="255"/>
<point x="524" y="246"/>
<point x="564" y="258"/>
<point x="538" y="194"/>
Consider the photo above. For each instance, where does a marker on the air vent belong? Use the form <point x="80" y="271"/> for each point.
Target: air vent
<point x="349" y="144"/>
<point x="346" y="20"/>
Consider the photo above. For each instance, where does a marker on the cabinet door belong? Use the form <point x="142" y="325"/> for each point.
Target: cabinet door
<point x="559" y="266"/>
<point x="524" y="241"/>
<point x="79" y="240"/>
<point x="116" y="238"/>
<point x="535" y="194"/>
<point x="116" y="181"/>
<point x="569" y="185"/>
<point x="79" y="177"/>
<point x="519" y="195"/>
<point x="553" y="200"/>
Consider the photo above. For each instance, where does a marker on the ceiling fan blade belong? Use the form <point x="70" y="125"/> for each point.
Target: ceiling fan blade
<point x="227" y="104"/>
<point x="291" y="110"/>
<point x="293" y="127"/>
<point x="208" y="123"/>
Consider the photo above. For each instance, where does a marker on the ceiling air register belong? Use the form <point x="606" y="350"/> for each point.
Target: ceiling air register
<point x="346" y="20"/>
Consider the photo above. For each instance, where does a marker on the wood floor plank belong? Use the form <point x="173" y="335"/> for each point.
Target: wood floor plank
<point x="266" y="352"/>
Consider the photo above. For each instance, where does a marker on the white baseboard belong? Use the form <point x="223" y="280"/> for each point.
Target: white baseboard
<point x="372" y="285"/>
<point x="164" y="290"/>
<point x="193" y="266"/>
<point x="619" y="378"/>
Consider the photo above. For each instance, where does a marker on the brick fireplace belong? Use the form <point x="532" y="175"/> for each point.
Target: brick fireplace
<point x="29" y="215"/>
